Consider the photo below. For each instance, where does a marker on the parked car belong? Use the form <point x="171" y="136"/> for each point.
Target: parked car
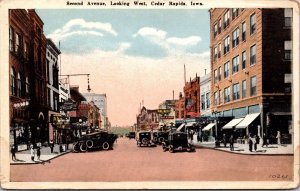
<point x="131" y="135"/>
<point x="143" y="138"/>
<point x="177" y="141"/>
<point x="160" y="136"/>
<point x="96" y="140"/>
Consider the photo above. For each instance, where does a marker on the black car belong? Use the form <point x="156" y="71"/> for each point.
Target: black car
<point x="131" y="135"/>
<point x="143" y="138"/>
<point x="97" y="140"/>
<point x="177" y="141"/>
<point x="160" y="136"/>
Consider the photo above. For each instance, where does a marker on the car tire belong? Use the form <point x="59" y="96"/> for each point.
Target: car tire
<point x="105" y="146"/>
<point x="89" y="144"/>
<point x="144" y="141"/>
<point x="83" y="147"/>
<point x="76" y="147"/>
<point x="161" y="139"/>
<point x="155" y="139"/>
<point x="171" y="149"/>
<point x="164" y="147"/>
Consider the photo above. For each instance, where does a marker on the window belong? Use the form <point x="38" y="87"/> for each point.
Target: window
<point x="216" y="98"/>
<point x="244" y="59"/>
<point x="288" y="50"/>
<point x="215" y="30"/>
<point x="11" y="39"/>
<point x="252" y="55"/>
<point x="12" y="81"/>
<point x="235" y="13"/>
<point x="226" y="44"/>
<point x="219" y="73"/>
<point x="236" y="91"/>
<point x="215" y="76"/>
<point x="227" y="95"/>
<point x="19" y="85"/>
<point x="220" y="26"/>
<point x="26" y="54"/>
<point x="288" y="83"/>
<point x="203" y="102"/>
<point x="226" y="69"/>
<point x="235" y="64"/>
<point x="219" y="97"/>
<point x="27" y="87"/>
<point x="220" y="49"/>
<point x="244" y="31"/>
<point x="252" y="24"/>
<point x="288" y="16"/>
<point x="226" y="18"/>
<point x="235" y="37"/>
<point x="207" y="101"/>
<point x="244" y="88"/>
<point x="215" y="53"/>
<point x="253" y="86"/>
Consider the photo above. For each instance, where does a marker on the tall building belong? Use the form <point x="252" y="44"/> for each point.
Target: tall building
<point x="251" y="54"/>
<point x="179" y="109"/>
<point x="52" y="70"/>
<point x="28" y="95"/>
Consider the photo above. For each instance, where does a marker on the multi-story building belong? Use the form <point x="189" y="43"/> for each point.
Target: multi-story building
<point x="91" y="112"/>
<point x="179" y="109"/>
<point x="166" y="110"/>
<point x="147" y="119"/>
<point x="28" y="95"/>
<point x="251" y="54"/>
<point x="205" y="95"/>
<point x="52" y="70"/>
<point x="191" y="96"/>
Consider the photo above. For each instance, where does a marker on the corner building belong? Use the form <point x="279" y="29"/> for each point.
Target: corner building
<point x="251" y="56"/>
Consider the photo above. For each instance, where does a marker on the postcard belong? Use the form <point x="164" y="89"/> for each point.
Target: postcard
<point x="149" y="94"/>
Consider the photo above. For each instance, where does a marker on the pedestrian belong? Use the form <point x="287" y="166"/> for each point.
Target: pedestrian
<point x="250" y="142"/>
<point x="38" y="153"/>
<point x="255" y="142"/>
<point x="32" y="152"/>
<point x="51" y="146"/>
<point x="61" y="148"/>
<point x="224" y="140"/>
<point x="265" y="141"/>
<point x="231" y="141"/>
<point x="278" y="136"/>
<point x="13" y="153"/>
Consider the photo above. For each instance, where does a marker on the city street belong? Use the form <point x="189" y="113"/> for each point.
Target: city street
<point x="127" y="162"/>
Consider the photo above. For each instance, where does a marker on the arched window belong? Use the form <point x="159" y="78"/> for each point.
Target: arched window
<point x="12" y="81"/>
<point x="19" y="88"/>
<point x="27" y="87"/>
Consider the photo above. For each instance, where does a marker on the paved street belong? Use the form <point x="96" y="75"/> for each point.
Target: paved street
<point x="127" y="162"/>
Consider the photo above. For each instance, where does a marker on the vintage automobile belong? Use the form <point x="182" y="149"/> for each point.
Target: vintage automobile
<point x="143" y="138"/>
<point x="131" y="135"/>
<point x="177" y="141"/>
<point x="160" y="136"/>
<point x="96" y="140"/>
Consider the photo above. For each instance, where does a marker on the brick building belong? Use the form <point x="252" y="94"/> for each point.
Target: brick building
<point x="147" y="119"/>
<point x="251" y="68"/>
<point x="28" y="97"/>
<point x="179" y="108"/>
<point x="192" y="98"/>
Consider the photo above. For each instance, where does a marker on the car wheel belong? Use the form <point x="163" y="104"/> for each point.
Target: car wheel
<point x="105" y="146"/>
<point x="89" y="143"/>
<point x="161" y="139"/>
<point x="76" y="147"/>
<point x="164" y="147"/>
<point x="171" y="149"/>
<point x="144" y="141"/>
<point x="83" y="147"/>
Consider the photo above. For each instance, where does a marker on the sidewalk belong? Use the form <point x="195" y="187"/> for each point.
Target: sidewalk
<point x="244" y="148"/>
<point x="23" y="157"/>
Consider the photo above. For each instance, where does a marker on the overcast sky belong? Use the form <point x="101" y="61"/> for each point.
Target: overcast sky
<point x="131" y="55"/>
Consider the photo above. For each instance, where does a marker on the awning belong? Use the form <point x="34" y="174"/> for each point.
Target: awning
<point x="190" y="124"/>
<point x="247" y="121"/>
<point x="232" y="123"/>
<point x="208" y="127"/>
<point x="180" y="127"/>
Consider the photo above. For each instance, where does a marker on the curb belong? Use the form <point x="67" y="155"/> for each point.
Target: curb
<point x="31" y="163"/>
<point x="254" y="154"/>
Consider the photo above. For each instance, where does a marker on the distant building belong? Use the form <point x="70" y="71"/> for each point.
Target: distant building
<point x="192" y="98"/>
<point x="166" y="111"/>
<point x="205" y="95"/>
<point x="147" y="119"/>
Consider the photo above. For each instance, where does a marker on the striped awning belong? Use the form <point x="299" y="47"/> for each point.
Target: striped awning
<point x="208" y="127"/>
<point x="232" y="123"/>
<point x="247" y="120"/>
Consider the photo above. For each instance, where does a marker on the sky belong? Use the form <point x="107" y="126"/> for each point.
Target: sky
<point x="133" y="55"/>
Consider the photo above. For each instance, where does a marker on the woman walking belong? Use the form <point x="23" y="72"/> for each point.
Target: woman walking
<point x="32" y="152"/>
